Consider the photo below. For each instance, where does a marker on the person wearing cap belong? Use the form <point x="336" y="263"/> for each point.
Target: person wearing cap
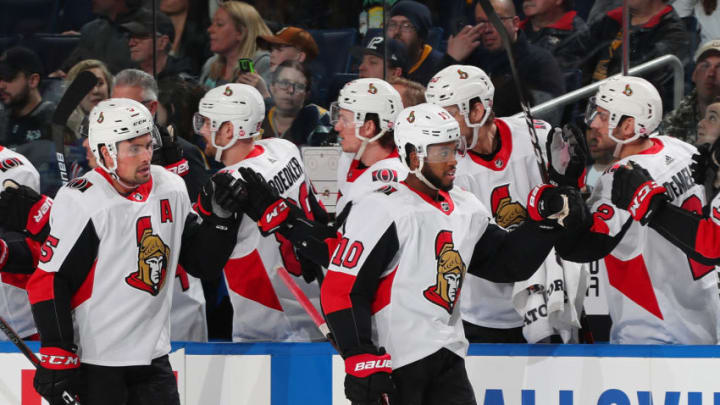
<point x="372" y="55"/>
<point x="290" y="43"/>
<point x="409" y="23"/>
<point x="682" y="122"/>
<point x="28" y="116"/>
<point x="141" y="46"/>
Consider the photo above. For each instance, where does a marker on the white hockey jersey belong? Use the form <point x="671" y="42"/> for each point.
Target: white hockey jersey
<point x="501" y="185"/>
<point x="188" y="319"/>
<point x="355" y="182"/>
<point x="264" y="308"/>
<point x="14" y="304"/>
<point x="121" y="312"/>
<point x="415" y="310"/>
<point x="655" y="294"/>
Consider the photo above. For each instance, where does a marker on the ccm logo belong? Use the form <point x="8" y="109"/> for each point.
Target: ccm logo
<point x="43" y="210"/>
<point x="282" y="206"/>
<point x="58" y="360"/>
<point x="639" y="197"/>
<point x="373" y="364"/>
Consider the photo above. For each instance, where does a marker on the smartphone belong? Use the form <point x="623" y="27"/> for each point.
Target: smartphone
<point x="246" y="65"/>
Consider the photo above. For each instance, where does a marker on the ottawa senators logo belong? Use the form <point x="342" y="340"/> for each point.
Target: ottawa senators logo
<point x="372" y="89"/>
<point x="411" y="117"/>
<point x="463" y="75"/>
<point x="508" y="214"/>
<point x="153" y="256"/>
<point x="628" y="91"/>
<point x="228" y="91"/>
<point x="101" y="118"/>
<point x="450" y="273"/>
<point x="385" y="175"/>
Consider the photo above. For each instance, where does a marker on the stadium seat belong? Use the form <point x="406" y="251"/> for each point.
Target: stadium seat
<point x="334" y="58"/>
<point x="26" y="16"/>
<point x="53" y="49"/>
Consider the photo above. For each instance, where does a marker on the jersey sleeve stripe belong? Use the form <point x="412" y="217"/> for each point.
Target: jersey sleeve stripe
<point x="335" y="291"/>
<point x="707" y="241"/>
<point x="383" y="294"/>
<point x="40" y="287"/>
<point x="85" y="291"/>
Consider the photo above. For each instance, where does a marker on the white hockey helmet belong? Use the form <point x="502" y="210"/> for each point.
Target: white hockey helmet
<point x="239" y="104"/>
<point x="457" y="85"/>
<point x="421" y="126"/>
<point x="627" y="96"/>
<point x="364" y="96"/>
<point x="118" y="119"/>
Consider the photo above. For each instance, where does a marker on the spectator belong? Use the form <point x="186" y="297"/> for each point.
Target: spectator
<point x="28" y="116"/>
<point x="233" y="36"/>
<point x="77" y="123"/>
<point x="372" y="55"/>
<point x="189" y="18"/>
<point x="600" y="8"/>
<point x="706" y="13"/>
<point x="708" y="128"/>
<point x="539" y="72"/>
<point x="177" y="104"/>
<point x="682" y="122"/>
<point x="103" y="39"/>
<point x="656" y="30"/>
<point x="291" y="118"/>
<point x="550" y="23"/>
<point x="409" y="23"/>
<point x="141" y="46"/>
<point x="412" y="93"/>
<point x="290" y="43"/>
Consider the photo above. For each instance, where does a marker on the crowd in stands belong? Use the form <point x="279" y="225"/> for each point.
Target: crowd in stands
<point x="196" y="45"/>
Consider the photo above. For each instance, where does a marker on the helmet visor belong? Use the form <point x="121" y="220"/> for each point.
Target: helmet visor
<point x="445" y="152"/>
<point x="133" y="147"/>
<point x="199" y="121"/>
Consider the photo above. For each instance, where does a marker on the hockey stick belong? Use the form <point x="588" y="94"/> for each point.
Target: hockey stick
<point x="78" y="89"/>
<point x="15" y="339"/>
<point x="495" y="21"/>
<point x="313" y="312"/>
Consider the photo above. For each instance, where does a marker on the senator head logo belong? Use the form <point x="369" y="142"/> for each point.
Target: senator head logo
<point x="372" y="89"/>
<point x="228" y="91"/>
<point x="463" y="75"/>
<point x="100" y="118"/>
<point x="411" y="118"/>
<point x="628" y="91"/>
<point x="450" y="273"/>
<point x="508" y="214"/>
<point x="153" y="256"/>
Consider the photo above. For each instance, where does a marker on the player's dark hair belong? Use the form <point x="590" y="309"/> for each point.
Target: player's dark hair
<point x="409" y="148"/>
<point x="387" y="141"/>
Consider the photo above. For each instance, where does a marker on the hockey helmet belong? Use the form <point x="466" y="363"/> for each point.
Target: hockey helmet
<point x="118" y="119"/>
<point x="457" y="85"/>
<point x="627" y="96"/>
<point x="239" y="104"/>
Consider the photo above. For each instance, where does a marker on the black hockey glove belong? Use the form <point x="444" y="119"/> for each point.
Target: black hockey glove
<point x="554" y="207"/>
<point x="367" y="375"/>
<point x="568" y="156"/>
<point x="264" y="204"/>
<point x="170" y="154"/>
<point x="635" y="190"/>
<point x="220" y="200"/>
<point x="23" y="209"/>
<point x="59" y="367"/>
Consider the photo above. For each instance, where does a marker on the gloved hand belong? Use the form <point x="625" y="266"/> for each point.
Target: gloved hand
<point x="59" y="368"/>
<point x="367" y="375"/>
<point x="220" y="200"/>
<point x="554" y="207"/>
<point x="3" y="253"/>
<point x="170" y="154"/>
<point x="22" y="208"/>
<point x="567" y="163"/>
<point x="264" y="203"/>
<point x="635" y="190"/>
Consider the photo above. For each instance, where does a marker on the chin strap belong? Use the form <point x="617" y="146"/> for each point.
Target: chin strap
<point x="366" y="141"/>
<point x="418" y="173"/>
<point x="475" y="127"/>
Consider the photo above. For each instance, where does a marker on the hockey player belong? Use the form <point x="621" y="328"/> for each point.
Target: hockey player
<point x="392" y="291"/>
<point x="363" y="115"/>
<point x="658" y="295"/>
<point x="229" y="117"/>
<point x="18" y="254"/>
<point x="500" y="169"/>
<point x="102" y="292"/>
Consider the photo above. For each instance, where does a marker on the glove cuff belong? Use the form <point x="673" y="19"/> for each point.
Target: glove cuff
<point x="57" y="358"/>
<point x="274" y="216"/>
<point x="181" y="167"/>
<point x="366" y="364"/>
<point x="3" y="253"/>
<point x="640" y="207"/>
<point x="39" y="215"/>
<point x="533" y="202"/>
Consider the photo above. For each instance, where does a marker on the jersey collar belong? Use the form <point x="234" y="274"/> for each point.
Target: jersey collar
<point x="257" y="151"/>
<point x="446" y="205"/>
<point x="140" y="194"/>
<point x="499" y="160"/>
<point x="655" y="148"/>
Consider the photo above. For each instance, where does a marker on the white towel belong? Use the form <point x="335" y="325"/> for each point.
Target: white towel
<point x="551" y="300"/>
